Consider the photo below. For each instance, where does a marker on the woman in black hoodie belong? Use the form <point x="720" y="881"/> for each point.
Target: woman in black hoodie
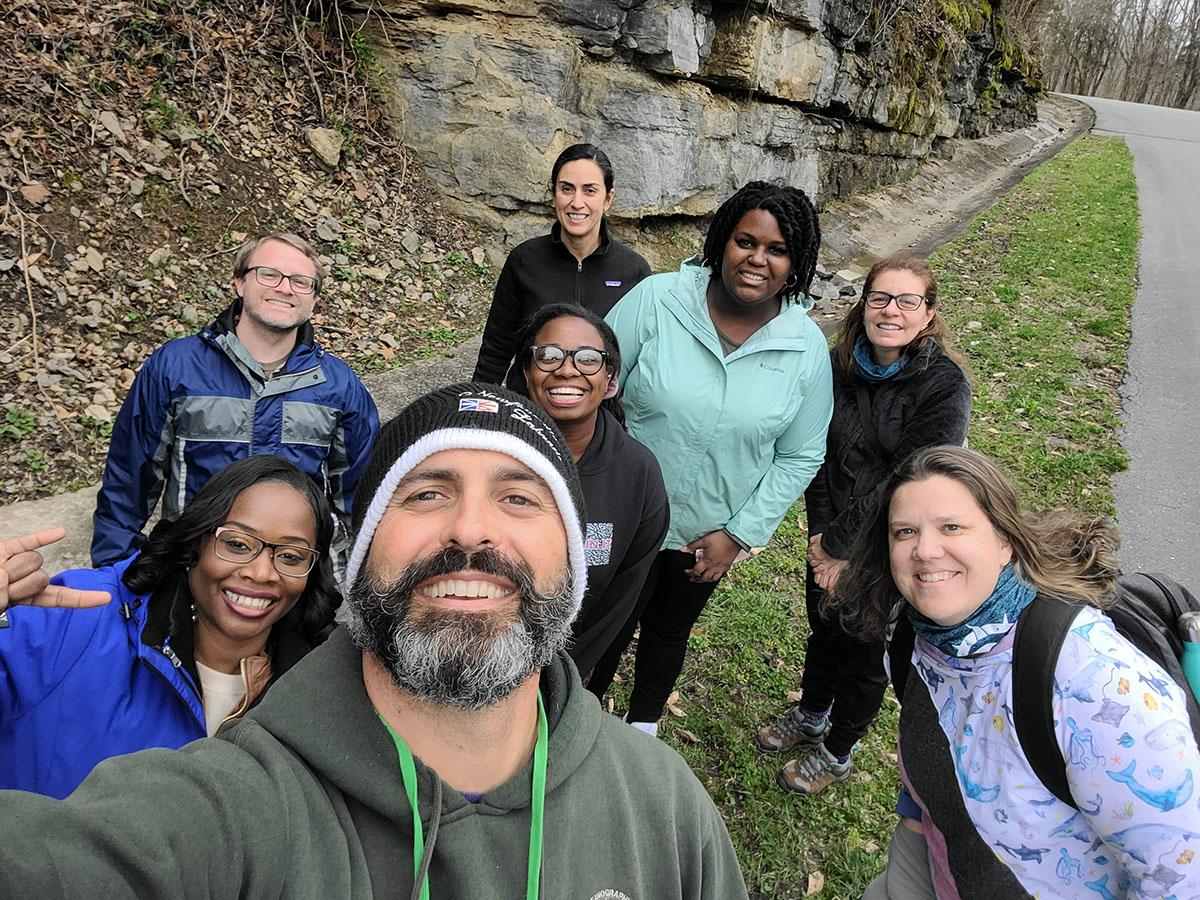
<point x="570" y="359"/>
<point x="897" y="387"/>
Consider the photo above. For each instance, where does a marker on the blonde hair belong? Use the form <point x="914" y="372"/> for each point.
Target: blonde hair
<point x="241" y="262"/>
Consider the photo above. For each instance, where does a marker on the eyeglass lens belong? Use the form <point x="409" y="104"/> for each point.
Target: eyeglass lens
<point x="233" y="546"/>
<point x="268" y="277"/>
<point x="880" y="299"/>
<point x="550" y="357"/>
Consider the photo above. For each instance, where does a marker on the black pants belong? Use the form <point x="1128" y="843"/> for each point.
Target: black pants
<point x="668" y="608"/>
<point x="842" y="672"/>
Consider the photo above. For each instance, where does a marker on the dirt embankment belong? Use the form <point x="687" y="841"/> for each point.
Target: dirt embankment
<point x="140" y="143"/>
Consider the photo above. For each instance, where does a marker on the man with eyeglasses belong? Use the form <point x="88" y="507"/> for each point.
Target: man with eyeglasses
<point x="254" y="381"/>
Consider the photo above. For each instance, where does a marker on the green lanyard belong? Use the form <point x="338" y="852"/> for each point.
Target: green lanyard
<point x="408" y="772"/>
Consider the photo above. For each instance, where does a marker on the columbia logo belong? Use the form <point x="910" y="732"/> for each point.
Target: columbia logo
<point x="763" y="365"/>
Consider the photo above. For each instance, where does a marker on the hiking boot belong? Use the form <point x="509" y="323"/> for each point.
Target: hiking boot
<point x="813" y="772"/>
<point x="795" y="729"/>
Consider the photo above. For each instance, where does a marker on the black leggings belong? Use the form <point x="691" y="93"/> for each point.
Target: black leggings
<point x="669" y="606"/>
<point x="842" y="672"/>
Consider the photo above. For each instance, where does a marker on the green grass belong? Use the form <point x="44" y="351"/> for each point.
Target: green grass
<point x="1038" y="291"/>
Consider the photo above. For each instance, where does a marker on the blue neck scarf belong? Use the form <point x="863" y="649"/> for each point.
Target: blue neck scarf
<point x="985" y="627"/>
<point x="868" y="368"/>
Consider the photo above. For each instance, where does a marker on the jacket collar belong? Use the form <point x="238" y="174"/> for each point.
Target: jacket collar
<point x="321" y="712"/>
<point x="602" y="250"/>
<point x="688" y="303"/>
<point x="226" y="323"/>
<point x="917" y="363"/>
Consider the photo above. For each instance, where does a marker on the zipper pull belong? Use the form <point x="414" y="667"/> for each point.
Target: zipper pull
<point x="170" y="654"/>
<point x="126" y="612"/>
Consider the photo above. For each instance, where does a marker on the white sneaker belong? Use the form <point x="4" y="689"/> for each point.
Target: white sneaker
<point x="651" y="728"/>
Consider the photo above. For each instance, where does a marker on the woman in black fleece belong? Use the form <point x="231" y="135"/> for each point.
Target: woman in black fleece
<point x="577" y="262"/>
<point x="570" y="359"/>
<point x="897" y="387"/>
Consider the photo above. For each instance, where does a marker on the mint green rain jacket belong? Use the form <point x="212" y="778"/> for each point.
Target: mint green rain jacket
<point x="738" y="437"/>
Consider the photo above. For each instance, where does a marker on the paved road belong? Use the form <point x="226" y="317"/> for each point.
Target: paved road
<point x="1158" y="499"/>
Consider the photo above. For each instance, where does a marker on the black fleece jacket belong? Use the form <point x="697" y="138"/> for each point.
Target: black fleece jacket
<point x="928" y="402"/>
<point x="628" y="515"/>
<point x="542" y="271"/>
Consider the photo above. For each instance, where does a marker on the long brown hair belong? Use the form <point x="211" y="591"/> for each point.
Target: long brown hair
<point x="853" y="326"/>
<point x="1060" y="552"/>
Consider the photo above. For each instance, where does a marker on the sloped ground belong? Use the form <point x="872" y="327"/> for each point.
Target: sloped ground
<point x="140" y="143"/>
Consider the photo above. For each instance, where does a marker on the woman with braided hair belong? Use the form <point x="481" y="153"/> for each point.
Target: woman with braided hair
<point x="728" y="383"/>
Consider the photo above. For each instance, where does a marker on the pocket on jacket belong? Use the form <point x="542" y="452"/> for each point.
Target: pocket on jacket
<point x="309" y="423"/>
<point x="199" y="418"/>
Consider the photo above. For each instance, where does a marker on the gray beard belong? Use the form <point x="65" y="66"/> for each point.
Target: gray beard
<point x="467" y="660"/>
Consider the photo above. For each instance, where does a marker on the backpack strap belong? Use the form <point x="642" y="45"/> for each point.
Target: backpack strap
<point x="862" y="392"/>
<point x="1039" y="636"/>
<point x="900" y="651"/>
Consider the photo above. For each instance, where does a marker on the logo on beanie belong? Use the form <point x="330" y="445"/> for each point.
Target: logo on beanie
<point x="477" y="404"/>
<point x="515" y="410"/>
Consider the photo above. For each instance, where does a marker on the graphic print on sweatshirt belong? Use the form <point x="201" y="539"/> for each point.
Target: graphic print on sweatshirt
<point x="597" y="546"/>
<point x="1131" y="764"/>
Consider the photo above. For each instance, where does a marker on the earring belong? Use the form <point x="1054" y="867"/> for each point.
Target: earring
<point x="193" y="612"/>
<point x="791" y="281"/>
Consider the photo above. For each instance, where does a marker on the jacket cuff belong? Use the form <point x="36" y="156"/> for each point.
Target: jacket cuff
<point x="737" y="540"/>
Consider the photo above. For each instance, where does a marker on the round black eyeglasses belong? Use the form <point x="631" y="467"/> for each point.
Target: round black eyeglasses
<point x="550" y="357"/>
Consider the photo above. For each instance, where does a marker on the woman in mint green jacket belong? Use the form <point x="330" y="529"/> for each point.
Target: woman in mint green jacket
<point x="728" y="382"/>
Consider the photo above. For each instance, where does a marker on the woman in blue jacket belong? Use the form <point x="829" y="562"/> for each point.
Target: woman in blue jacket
<point x="217" y="604"/>
<point x="727" y="381"/>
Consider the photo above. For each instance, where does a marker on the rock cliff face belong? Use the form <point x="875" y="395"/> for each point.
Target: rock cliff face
<point x="690" y="98"/>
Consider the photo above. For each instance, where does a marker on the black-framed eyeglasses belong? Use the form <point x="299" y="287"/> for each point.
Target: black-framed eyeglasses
<point x="550" y="357"/>
<point x="881" y="299"/>
<point x="239" y="547"/>
<point x="268" y="277"/>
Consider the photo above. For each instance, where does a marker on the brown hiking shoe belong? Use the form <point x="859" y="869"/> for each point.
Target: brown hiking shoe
<point x="795" y="729"/>
<point x="813" y="772"/>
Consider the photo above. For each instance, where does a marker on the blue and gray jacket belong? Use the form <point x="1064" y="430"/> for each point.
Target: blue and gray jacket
<point x="202" y="402"/>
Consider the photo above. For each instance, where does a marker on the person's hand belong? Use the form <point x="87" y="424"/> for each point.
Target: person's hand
<point x="827" y="574"/>
<point x="826" y="569"/>
<point x="715" y="553"/>
<point x="22" y="579"/>
<point x="816" y="553"/>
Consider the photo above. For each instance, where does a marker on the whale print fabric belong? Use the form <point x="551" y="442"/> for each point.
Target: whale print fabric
<point x="1132" y="764"/>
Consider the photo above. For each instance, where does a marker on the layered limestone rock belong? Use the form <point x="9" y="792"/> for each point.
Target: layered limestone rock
<point x="689" y="98"/>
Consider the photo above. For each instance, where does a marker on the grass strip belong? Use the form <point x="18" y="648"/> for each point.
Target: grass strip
<point x="1038" y="290"/>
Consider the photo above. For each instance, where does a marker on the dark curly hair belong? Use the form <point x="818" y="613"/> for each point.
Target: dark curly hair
<point x="174" y="546"/>
<point x="543" y="315"/>
<point x="797" y="218"/>
<point x="1060" y="552"/>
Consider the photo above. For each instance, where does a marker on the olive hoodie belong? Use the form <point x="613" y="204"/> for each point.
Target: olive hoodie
<point x="303" y="798"/>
